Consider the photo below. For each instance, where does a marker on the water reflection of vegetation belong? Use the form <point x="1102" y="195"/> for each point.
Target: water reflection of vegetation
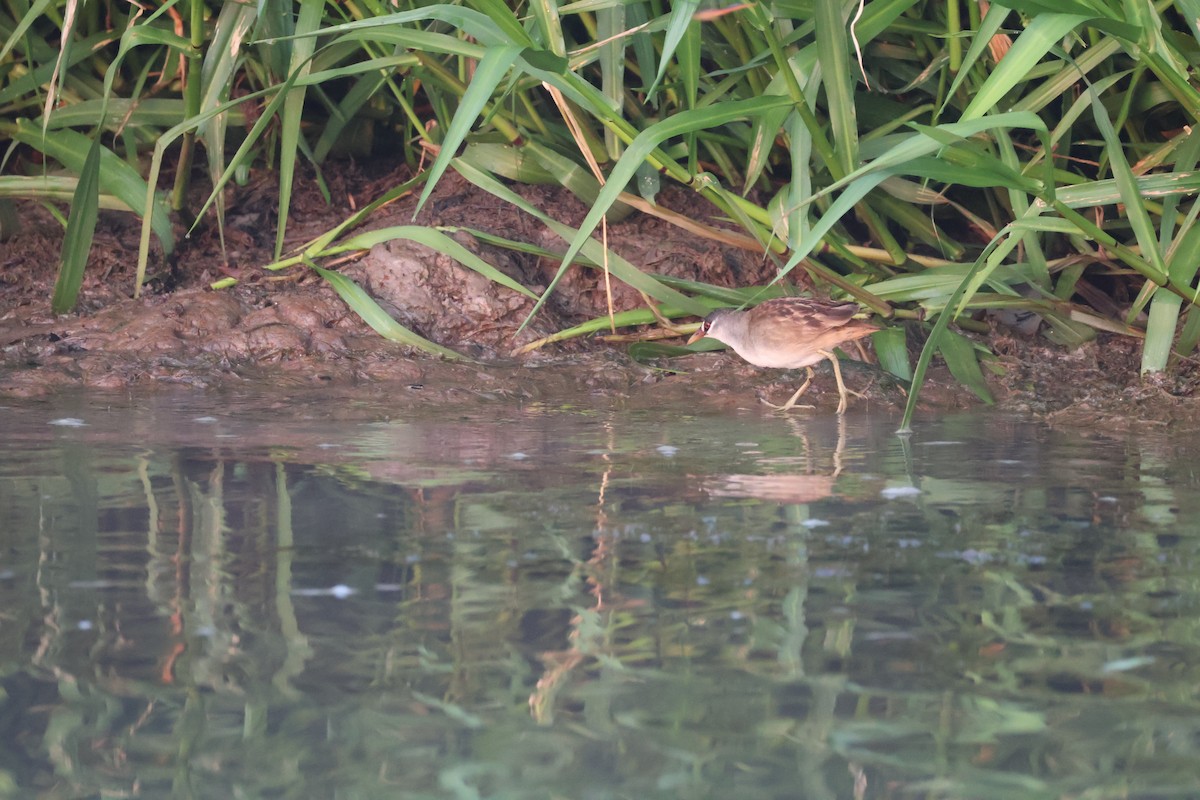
<point x="622" y="622"/>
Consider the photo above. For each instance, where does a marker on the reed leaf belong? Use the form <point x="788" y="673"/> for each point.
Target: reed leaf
<point x="371" y="313"/>
<point x="963" y="360"/>
<point x="81" y="226"/>
<point x="435" y="240"/>
<point x="490" y="71"/>
<point x="114" y="176"/>
<point x="891" y="348"/>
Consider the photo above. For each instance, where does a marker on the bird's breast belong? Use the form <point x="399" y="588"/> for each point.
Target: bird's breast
<point x="777" y="358"/>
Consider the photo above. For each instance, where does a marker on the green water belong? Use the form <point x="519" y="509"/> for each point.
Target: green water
<point x="212" y="598"/>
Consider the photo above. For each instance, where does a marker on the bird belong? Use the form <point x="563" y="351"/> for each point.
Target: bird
<point x="788" y="333"/>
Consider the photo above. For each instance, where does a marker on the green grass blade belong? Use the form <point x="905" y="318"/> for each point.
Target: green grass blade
<point x="937" y="334"/>
<point x="546" y="13"/>
<point x="59" y="188"/>
<point x="307" y="23"/>
<point x="931" y="139"/>
<point x="362" y="304"/>
<point x="24" y="88"/>
<point x="1165" y="306"/>
<point x="1044" y="33"/>
<point x="963" y="361"/>
<point x="989" y="26"/>
<point x="488" y="74"/>
<point x="610" y="26"/>
<point x="81" y="226"/>
<point x="1019" y="201"/>
<point x="1005" y="243"/>
<point x="1191" y="14"/>
<point x="765" y="130"/>
<point x="1186" y="157"/>
<point x="1160" y="330"/>
<point x="217" y="74"/>
<point x="636" y="316"/>
<point x="151" y="113"/>
<point x="1147" y="187"/>
<point x="878" y="16"/>
<point x="503" y="21"/>
<point x="678" y="22"/>
<point x="535" y="163"/>
<point x="435" y="240"/>
<point x="466" y="21"/>
<point x="833" y="54"/>
<point x="31" y="15"/>
<point x="891" y="347"/>
<point x="1127" y="185"/>
<point x="71" y="149"/>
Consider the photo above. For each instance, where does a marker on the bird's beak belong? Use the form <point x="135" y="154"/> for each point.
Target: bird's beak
<point x="697" y="336"/>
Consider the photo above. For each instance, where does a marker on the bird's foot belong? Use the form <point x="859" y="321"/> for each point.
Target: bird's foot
<point x="788" y="406"/>
<point x="791" y="403"/>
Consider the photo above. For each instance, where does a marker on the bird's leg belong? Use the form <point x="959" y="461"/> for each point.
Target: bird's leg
<point x="790" y="404"/>
<point x="837" y="375"/>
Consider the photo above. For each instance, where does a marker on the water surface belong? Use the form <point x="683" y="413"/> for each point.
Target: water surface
<point x="204" y="596"/>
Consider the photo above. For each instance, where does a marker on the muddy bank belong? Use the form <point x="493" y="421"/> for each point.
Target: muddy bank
<point x="291" y="329"/>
